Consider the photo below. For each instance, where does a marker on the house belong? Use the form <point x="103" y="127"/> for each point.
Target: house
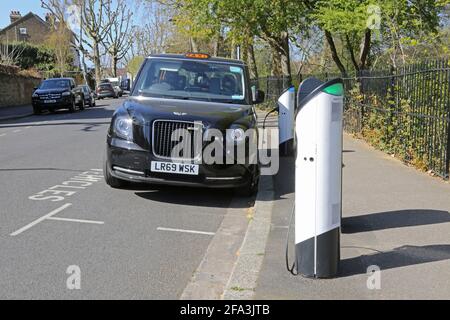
<point x="30" y="28"/>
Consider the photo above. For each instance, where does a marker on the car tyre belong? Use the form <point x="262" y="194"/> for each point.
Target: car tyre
<point x="250" y="189"/>
<point x="110" y="180"/>
<point x="82" y="104"/>
<point x="36" y="110"/>
<point x="72" y="108"/>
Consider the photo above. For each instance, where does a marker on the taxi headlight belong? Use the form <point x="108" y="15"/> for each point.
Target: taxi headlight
<point x="123" y="127"/>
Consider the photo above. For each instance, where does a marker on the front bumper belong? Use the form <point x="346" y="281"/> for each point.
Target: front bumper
<point x="105" y="95"/>
<point x="61" y="103"/>
<point x="127" y="161"/>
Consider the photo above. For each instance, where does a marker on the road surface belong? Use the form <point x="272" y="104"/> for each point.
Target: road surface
<point x="59" y="219"/>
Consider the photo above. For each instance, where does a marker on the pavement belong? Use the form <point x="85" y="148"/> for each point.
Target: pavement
<point x="150" y="242"/>
<point x="394" y="217"/>
<point x="17" y="112"/>
<point x="145" y="242"/>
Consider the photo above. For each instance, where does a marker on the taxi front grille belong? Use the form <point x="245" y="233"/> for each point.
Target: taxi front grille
<point x="163" y="145"/>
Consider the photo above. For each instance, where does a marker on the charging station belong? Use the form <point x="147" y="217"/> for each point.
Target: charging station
<point x="318" y="177"/>
<point x="286" y="109"/>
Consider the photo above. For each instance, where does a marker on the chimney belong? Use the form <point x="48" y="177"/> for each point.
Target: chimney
<point x="49" y="18"/>
<point x="14" y="16"/>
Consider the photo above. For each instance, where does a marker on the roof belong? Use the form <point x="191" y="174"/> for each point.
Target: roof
<point x="24" y="18"/>
<point x="182" y="56"/>
<point x="59" y="79"/>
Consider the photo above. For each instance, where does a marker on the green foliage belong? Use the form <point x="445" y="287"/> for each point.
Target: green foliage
<point x="342" y="16"/>
<point x="398" y="28"/>
<point x="34" y="57"/>
<point x="135" y="64"/>
<point x="405" y="114"/>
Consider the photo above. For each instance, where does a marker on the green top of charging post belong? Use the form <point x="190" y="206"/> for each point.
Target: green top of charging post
<point x="336" y="89"/>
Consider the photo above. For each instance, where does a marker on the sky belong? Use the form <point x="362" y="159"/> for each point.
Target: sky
<point x="24" y="6"/>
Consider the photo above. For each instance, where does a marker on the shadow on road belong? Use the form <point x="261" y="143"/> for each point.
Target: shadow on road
<point x="40" y="169"/>
<point x="285" y="178"/>
<point x="202" y="197"/>
<point x="393" y="219"/>
<point x="399" y="257"/>
<point x="63" y="117"/>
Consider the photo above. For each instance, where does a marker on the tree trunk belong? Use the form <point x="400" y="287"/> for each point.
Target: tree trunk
<point x="217" y="44"/>
<point x="276" y="64"/>
<point x="114" y="65"/>
<point x="365" y="48"/>
<point x="334" y="53"/>
<point x="280" y="54"/>
<point x="252" y="62"/>
<point x="83" y="62"/>
<point x="97" y="64"/>
<point x="352" y="53"/>
<point x="233" y="49"/>
<point x="193" y="44"/>
<point x="285" y="57"/>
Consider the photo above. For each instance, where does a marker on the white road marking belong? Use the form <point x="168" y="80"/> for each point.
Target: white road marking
<point x="75" y="220"/>
<point x="28" y="127"/>
<point x="280" y="227"/>
<point x="186" y="231"/>
<point x="15" y="131"/>
<point x="48" y="215"/>
<point x="3" y="134"/>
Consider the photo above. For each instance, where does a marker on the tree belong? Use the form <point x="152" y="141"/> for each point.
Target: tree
<point x="272" y="21"/>
<point x="155" y="31"/>
<point x="96" y="23"/>
<point x="59" y="42"/>
<point x="58" y="9"/>
<point x="94" y="26"/>
<point x="119" y="36"/>
<point x="134" y="65"/>
<point x="10" y="54"/>
<point x="358" y="25"/>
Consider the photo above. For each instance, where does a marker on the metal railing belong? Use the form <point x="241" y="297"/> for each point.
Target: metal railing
<point x="405" y="112"/>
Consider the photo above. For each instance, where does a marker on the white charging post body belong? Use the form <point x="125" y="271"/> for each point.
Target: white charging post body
<point x="286" y="109"/>
<point x="318" y="177"/>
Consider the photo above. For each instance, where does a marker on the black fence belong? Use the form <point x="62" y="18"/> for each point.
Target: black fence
<point x="273" y="87"/>
<point x="405" y="112"/>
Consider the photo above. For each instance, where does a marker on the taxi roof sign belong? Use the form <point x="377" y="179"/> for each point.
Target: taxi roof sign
<point x="197" y="55"/>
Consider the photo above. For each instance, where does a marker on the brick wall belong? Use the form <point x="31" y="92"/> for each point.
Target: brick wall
<point x="16" y="90"/>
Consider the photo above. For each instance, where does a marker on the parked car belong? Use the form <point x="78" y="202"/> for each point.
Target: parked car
<point x="106" y="90"/>
<point x="57" y="93"/>
<point x="118" y="90"/>
<point x="88" y="95"/>
<point x="125" y="85"/>
<point x="116" y="85"/>
<point x="195" y="93"/>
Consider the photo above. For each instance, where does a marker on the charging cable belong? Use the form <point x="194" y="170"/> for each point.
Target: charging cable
<point x="288" y="266"/>
<point x="267" y="115"/>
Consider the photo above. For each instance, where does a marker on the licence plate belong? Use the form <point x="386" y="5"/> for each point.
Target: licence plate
<point x="176" y="168"/>
<point x="49" y="101"/>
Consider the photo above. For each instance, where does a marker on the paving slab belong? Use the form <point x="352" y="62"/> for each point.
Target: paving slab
<point x="394" y="217"/>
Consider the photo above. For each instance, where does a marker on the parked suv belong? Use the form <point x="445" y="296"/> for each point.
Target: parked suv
<point x="88" y="95"/>
<point x="57" y="93"/>
<point x="106" y="90"/>
<point x="199" y="95"/>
